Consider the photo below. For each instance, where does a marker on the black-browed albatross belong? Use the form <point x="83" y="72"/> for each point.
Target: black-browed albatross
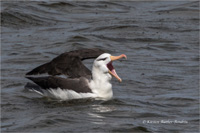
<point x="81" y="82"/>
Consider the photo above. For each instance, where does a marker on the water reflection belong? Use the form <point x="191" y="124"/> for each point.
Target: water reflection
<point x="103" y="108"/>
<point x="98" y="113"/>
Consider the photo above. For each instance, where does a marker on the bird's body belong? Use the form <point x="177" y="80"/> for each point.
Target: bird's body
<point x="81" y="83"/>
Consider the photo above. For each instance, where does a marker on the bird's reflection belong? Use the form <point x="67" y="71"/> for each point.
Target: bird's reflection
<point x="98" y="113"/>
<point x="103" y="108"/>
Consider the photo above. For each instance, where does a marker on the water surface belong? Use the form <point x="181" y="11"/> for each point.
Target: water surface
<point x="160" y="88"/>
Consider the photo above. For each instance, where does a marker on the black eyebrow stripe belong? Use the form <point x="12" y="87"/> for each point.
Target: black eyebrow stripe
<point x="102" y="59"/>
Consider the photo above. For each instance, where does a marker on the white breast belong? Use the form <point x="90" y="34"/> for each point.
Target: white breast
<point x="100" y="85"/>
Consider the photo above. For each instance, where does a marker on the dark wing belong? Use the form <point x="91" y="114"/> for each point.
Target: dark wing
<point x="69" y="63"/>
<point x="79" y="85"/>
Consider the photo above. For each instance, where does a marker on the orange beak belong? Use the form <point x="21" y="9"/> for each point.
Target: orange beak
<point x="111" y="68"/>
<point x="113" y="58"/>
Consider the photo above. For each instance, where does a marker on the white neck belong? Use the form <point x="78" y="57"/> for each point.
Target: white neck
<point x="100" y="84"/>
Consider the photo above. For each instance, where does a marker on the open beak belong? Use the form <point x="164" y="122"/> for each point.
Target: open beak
<point x="112" y="69"/>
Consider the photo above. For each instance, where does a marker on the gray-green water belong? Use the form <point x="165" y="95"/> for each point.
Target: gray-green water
<point x="160" y="88"/>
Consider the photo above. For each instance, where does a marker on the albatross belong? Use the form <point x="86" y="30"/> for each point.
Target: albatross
<point x="79" y="82"/>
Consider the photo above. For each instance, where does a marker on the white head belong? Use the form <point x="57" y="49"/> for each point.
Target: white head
<point x="103" y="64"/>
<point x="102" y="73"/>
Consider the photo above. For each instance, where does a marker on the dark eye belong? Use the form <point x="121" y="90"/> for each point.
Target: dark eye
<point x="102" y="59"/>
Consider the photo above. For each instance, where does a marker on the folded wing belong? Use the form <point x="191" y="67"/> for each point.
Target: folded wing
<point x="78" y="85"/>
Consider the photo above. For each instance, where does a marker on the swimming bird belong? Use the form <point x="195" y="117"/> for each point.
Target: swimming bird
<point x="81" y="82"/>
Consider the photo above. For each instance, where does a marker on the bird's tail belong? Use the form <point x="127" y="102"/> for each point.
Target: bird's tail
<point x="34" y="88"/>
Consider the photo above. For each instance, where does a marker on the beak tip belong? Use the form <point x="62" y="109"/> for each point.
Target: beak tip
<point x="124" y="56"/>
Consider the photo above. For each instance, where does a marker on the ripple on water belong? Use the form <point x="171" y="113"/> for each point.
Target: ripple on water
<point x="160" y="76"/>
